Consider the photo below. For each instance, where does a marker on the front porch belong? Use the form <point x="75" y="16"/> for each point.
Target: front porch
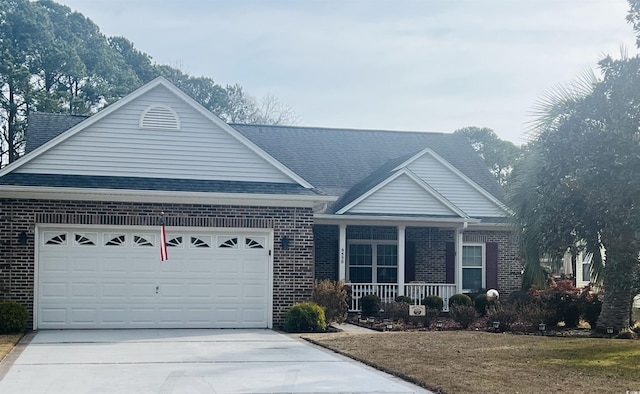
<point x="388" y="292"/>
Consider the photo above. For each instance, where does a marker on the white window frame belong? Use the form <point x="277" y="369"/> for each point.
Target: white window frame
<point x="374" y="257"/>
<point x="483" y="267"/>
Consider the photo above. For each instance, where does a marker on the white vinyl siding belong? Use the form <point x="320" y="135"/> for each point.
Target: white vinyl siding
<point x="402" y="196"/>
<point x="454" y="188"/>
<point x="117" y="146"/>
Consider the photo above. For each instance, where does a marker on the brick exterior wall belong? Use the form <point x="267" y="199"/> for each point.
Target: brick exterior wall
<point x="292" y="268"/>
<point x="430" y="251"/>
<point x="325" y="246"/>
<point x="509" y="260"/>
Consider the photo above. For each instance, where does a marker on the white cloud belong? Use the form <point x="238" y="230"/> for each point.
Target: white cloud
<point x="414" y="65"/>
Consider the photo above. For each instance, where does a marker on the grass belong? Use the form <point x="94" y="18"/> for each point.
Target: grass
<point x="7" y="342"/>
<point x="481" y="362"/>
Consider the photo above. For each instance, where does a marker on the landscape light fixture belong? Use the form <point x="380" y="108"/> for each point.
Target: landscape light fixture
<point x="496" y="325"/>
<point x="439" y="325"/>
<point x="541" y="328"/>
<point x="610" y="331"/>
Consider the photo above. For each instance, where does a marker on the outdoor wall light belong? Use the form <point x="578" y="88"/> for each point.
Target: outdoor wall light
<point x="23" y="238"/>
<point x="284" y="243"/>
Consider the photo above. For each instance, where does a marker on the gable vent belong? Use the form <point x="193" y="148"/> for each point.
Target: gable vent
<point x="159" y="117"/>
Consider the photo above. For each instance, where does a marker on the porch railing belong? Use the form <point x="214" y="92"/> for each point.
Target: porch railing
<point x="389" y="291"/>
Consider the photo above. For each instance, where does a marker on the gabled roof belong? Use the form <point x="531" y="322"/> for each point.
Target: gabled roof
<point x="347" y="162"/>
<point x="58" y="138"/>
<point x="43" y="127"/>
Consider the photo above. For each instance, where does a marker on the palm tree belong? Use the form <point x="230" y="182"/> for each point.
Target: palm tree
<point x="578" y="184"/>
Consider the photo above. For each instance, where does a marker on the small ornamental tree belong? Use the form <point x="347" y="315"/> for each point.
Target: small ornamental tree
<point x="332" y="296"/>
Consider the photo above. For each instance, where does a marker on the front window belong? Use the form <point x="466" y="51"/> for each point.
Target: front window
<point x="472" y="267"/>
<point x="373" y="263"/>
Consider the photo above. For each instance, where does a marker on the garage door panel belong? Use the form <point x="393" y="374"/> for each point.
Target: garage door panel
<point x="114" y="316"/>
<point x="84" y="316"/>
<point x="143" y="315"/>
<point x="254" y="292"/>
<point x="55" y="316"/>
<point x="142" y="291"/>
<point x="114" y="291"/>
<point x="85" y="290"/>
<point x="53" y="290"/>
<point x="97" y="278"/>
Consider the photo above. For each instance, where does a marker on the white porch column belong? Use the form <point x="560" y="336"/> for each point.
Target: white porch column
<point x="401" y="247"/>
<point x="342" y="250"/>
<point x="458" y="264"/>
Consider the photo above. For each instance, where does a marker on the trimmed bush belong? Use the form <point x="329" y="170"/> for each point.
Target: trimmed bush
<point x="481" y="303"/>
<point x="433" y="302"/>
<point x="430" y="316"/>
<point x="463" y="315"/>
<point x="13" y="318"/>
<point x="405" y="299"/>
<point x="332" y="296"/>
<point x="460" y="299"/>
<point x="305" y="317"/>
<point x="370" y="305"/>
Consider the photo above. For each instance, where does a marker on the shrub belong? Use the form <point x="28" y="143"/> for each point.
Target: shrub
<point x="590" y="307"/>
<point x="305" y="317"/>
<point x="507" y="315"/>
<point x="431" y="315"/>
<point x="13" y="318"/>
<point x="405" y="299"/>
<point x="332" y="296"/>
<point x="561" y="300"/>
<point x="459" y="299"/>
<point x="396" y="311"/>
<point x="433" y="302"/>
<point x="370" y="305"/>
<point x="481" y="303"/>
<point x="531" y="315"/>
<point x="463" y="314"/>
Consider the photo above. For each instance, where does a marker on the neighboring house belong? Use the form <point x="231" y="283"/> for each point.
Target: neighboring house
<point x="253" y="214"/>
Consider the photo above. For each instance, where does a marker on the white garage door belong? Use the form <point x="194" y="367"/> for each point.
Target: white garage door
<point x="113" y="278"/>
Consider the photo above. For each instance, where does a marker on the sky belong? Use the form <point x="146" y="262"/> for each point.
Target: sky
<point x="414" y="65"/>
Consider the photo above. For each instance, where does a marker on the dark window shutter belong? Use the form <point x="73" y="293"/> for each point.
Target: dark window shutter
<point x="409" y="262"/>
<point x="492" y="265"/>
<point x="336" y="274"/>
<point x="450" y="261"/>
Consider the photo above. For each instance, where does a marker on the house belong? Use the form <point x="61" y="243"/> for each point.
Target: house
<point x="253" y="215"/>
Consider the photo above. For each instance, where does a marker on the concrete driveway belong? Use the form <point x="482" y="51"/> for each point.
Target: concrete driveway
<point x="187" y="361"/>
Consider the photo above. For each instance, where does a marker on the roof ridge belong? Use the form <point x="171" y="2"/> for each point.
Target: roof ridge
<point x="340" y="129"/>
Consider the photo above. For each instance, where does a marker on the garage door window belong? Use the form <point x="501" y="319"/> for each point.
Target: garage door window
<point x="115" y="240"/>
<point x="175" y="242"/>
<point x="200" y="242"/>
<point x="52" y="238"/>
<point x="228" y="242"/>
<point x="143" y="240"/>
<point x="86" y="239"/>
<point x="254" y="243"/>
